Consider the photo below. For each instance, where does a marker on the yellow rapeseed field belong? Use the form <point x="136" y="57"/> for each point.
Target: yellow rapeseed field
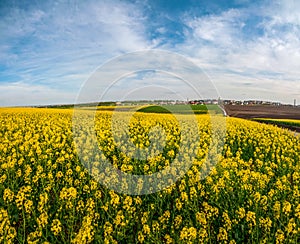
<point x="288" y="122"/>
<point x="292" y="121"/>
<point x="252" y="195"/>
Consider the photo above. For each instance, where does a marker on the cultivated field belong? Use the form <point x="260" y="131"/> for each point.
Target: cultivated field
<point x="252" y="194"/>
<point x="291" y="124"/>
<point x="263" y="111"/>
<point x="283" y="116"/>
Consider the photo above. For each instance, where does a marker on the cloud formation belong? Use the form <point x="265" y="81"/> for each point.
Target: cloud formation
<point x="49" y="49"/>
<point x="258" y="44"/>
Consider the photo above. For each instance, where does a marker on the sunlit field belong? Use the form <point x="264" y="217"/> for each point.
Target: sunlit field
<point x="291" y="122"/>
<point x="252" y="194"/>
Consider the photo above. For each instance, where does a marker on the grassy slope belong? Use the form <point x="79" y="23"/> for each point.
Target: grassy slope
<point x="182" y="109"/>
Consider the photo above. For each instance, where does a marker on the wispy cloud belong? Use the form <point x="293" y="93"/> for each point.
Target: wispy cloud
<point x="19" y="93"/>
<point x="264" y="50"/>
<point x="54" y="46"/>
<point x="58" y="45"/>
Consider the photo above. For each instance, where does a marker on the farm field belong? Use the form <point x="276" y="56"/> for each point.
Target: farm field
<point x="292" y="122"/>
<point x="181" y="109"/>
<point x="161" y="109"/>
<point x="251" y="195"/>
<point x="293" y="125"/>
<point x="263" y="111"/>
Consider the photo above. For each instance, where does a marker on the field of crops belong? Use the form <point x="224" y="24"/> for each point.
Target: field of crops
<point x="291" y="122"/>
<point x="183" y="109"/>
<point x="252" y="195"/>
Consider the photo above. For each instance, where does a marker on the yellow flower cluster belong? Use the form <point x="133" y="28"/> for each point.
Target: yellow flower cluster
<point x="48" y="195"/>
<point x="56" y="227"/>
<point x="188" y="234"/>
<point x="7" y="232"/>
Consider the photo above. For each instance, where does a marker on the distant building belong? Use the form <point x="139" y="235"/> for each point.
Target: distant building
<point x="250" y="102"/>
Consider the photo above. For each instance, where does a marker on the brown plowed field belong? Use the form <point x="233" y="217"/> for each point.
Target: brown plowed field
<point x="263" y="111"/>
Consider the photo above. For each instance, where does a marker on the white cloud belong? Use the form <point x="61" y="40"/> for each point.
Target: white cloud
<point x="56" y="46"/>
<point x="221" y="29"/>
<point x="53" y="43"/>
<point x="271" y="61"/>
<point x="19" y="93"/>
<point x="282" y="12"/>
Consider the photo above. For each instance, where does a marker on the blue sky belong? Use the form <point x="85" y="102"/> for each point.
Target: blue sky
<point x="248" y="49"/>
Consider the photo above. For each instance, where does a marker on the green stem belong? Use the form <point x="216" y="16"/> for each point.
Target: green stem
<point x="24" y="225"/>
